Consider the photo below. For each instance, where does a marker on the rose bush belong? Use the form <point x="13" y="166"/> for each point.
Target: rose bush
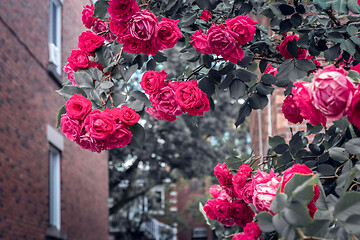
<point x="309" y="51"/>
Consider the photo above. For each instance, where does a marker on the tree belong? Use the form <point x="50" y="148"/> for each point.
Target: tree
<point x="225" y="48"/>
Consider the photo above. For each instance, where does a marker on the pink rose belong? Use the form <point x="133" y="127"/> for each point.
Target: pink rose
<point x="241" y="212"/>
<point x="332" y="92"/>
<point x="78" y="107"/>
<point x="301" y="96"/>
<point x="70" y="73"/>
<point x="202" y="106"/>
<point x="234" y="56"/>
<point x="115" y="113"/>
<point x="152" y="81"/>
<point x="144" y="25"/>
<point x="102" y="28"/>
<point x="70" y="127"/>
<point x="240" y="178"/>
<point x="291" y="111"/>
<point x="199" y="42"/>
<point x="264" y="194"/>
<point x="169" y="33"/>
<point x="205" y="15"/>
<point x="353" y="114"/>
<point x="282" y="48"/>
<point x="165" y="105"/>
<point x="270" y="70"/>
<point x="220" y="40"/>
<point x="242" y="236"/>
<point x="87" y="18"/>
<point x="215" y="190"/>
<point x="246" y="193"/>
<point x="122" y="10"/>
<point x="242" y="28"/>
<point x="128" y="115"/>
<point x="78" y="60"/>
<point x="89" y="42"/>
<point x="188" y="94"/>
<point x="87" y="142"/>
<point x="252" y="229"/>
<point x="223" y="212"/>
<point x="100" y="125"/>
<point x="209" y="209"/>
<point x="263" y="177"/>
<point x="120" y="138"/>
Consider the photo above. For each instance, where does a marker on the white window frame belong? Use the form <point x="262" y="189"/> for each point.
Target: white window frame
<point x="55" y="43"/>
<point x="54" y="187"/>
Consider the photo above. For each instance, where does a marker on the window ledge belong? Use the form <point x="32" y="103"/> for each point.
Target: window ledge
<point x="52" y="233"/>
<point x="51" y="68"/>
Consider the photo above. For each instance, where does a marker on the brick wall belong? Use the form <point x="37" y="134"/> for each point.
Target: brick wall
<point x="28" y="102"/>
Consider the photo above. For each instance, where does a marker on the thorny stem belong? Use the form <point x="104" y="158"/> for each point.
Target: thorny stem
<point x="267" y="59"/>
<point x="333" y="17"/>
<point x="228" y="236"/>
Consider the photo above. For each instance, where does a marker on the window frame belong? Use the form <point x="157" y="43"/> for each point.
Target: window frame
<point x="54" y="187"/>
<point x="55" y="42"/>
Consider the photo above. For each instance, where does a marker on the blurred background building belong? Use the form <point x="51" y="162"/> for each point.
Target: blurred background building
<point x="49" y="187"/>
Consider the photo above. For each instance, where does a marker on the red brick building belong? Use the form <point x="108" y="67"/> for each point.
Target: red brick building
<point x="49" y="187"/>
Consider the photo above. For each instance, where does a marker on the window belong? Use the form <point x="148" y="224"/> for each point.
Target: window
<point x="55" y="35"/>
<point x="54" y="188"/>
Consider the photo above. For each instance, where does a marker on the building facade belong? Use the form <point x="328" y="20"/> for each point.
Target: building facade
<point x="50" y="188"/>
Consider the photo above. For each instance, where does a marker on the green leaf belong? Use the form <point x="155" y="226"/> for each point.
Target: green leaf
<point x="296" y="181"/>
<point x="138" y="135"/>
<point x="70" y="90"/>
<point x="106" y="85"/>
<point x="318" y="228"/>
<point x="245" y="75"/>
<point x="353" y="6"/>
<point x="129" y="72"/>
<point x="142" y="97"/>
<point x="279" y="202"/>
<point x="297" y="214"/>
<point x="348" y="46"/>
<point x="151" y="65"/>
<point x="104" y="55"/>
<point x="351" y="30"/>
<point x="268" y="79"/>
<point x="160" y="57"/>
<point x="276" y="140"/>
<point x="61" y="111"/>
<point x="348" y="205"/>
<point x="265" y="222"/>
<point x="244" y="111"/>
<point x="83" y="79"/>
<point x="264" y="89"/>
<point x="201" y="209"/>
<point x="310" y="129"/>
<point x="258" y="101"/>
<point x="100" y="11"/>
<point x="281" y="148"/>
<point x="305" y="65"/>
<point x="237" y="89"/>
<point x="230" y="77"/>
<point x="352" y="224"/>
<point x="353" y="146"/>
<point x="338" y="154"/>
<point x="332" y="53"/>
<point x="233" y="163"/>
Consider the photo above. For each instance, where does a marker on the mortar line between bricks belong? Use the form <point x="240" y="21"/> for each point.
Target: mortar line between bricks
<point x="22" y="43"/>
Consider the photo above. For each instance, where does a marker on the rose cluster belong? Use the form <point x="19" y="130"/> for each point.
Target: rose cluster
<point x="225" y="39"/>
<point x="251" y="232"/>
<point x="171" y="99"/>
<point x="94" y="129"/>
<point x="80" y="59"/>
<point x="232" y="197"/>
<point x="140" y="31"/>
<point x="330" y="95"/>
<point x="95" y="24"/>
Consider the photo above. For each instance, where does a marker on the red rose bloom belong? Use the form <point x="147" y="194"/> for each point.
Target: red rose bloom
<point x="78" y="107"/>
<point x="128" y="115"/>
<point x="240" y="178"/>
<point x="122" y="10"/>
<point x="353" y="114"/>
<point x="132" y="45"/>
<point x="103" y="28"/>
<point x="199" y="42"/>
<point x="87" y="18"/>
<point x="252" y="229"/>
<point x="205" y="15"/>
<point x="152" y="81"/>
<point x="271" y="70"/>
<point x="118" y="28"/>
<point x="220" y="40"/>
<point x="78" y="60"/>
<point x="291" y="111"/>
<point x="120" y="138"/>
<point x="87" y="142"/>
<point x="169" y="33"/>
<point x="241" y="212"/>
<point x="99" y="125"/>
<point x="188" y="94"/>
<point x="70" y="127"/>
<point x="282" y="48"/>
<point x="242" y="236"/>
<point x="89" y="42"/>
<point x="202" y="106"/>
<point x="242" y="28"/>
